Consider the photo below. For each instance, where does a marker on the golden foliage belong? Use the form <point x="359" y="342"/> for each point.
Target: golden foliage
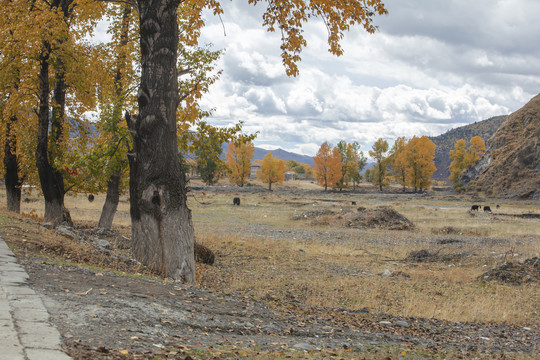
<point x="379" y="153"/>
<point x="420" y="155"/>
<point x="289" y="17"/>
<point x="39" y="28"/>
<point x="272" y="170"/>
<point x="353" y="162"/>
<point x="239" y="162"/>
<point x="464" y="157"/>
<point x="399" y="161"/>
<point x="327" y="166"/>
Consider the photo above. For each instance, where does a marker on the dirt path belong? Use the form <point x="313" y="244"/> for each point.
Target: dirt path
<point x="103" y="315"/>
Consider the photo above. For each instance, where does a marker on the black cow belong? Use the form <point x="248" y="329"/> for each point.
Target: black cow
<point x="487" y="209"/>
<point x="236" y="201"/>
<point x="475" y="207"/>
<point x="353" y="202"/>
<point x="91" y="197"/>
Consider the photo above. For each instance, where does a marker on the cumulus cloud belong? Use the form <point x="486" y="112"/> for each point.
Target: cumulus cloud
<point x="432" y="66"/>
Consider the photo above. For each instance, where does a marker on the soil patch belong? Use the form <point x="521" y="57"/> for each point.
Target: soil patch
<point x="428" y="256"/>
<point x="105" y="315"/>
<point x="522" y="216"/>
<point x="448" y="241"/>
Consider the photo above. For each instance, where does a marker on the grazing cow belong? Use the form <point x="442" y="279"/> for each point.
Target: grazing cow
<point x="353" y="202"/>
<point x="487" y="209"/>
<point x="498" y="206"/>
<point x="475" y="207"/>
<point x="236" y="201"/>
<point x="91" y="197"/>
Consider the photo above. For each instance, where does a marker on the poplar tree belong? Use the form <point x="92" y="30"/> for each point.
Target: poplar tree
<point x="379" y="153"/>
<point x="398" y="156"/>
<point x="162" y="229"/>
<point x="272" y="171"/>
<point x="420" y="155"/>
<point x="327" y="166"/>
<point x="239" y="162"/>
<point x="464" y="157"/>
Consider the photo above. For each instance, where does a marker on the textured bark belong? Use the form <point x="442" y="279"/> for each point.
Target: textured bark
<point x="162" y="229"/>
<point x="52" y="182"/>
<point x="111" y="202"/>
<point x="11" y="166"/>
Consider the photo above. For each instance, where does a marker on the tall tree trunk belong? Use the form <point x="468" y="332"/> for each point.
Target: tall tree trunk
<point x="162" y="229"/>
<point x="48" y="147"/>
<point x="111" y="201"/>
<point x="113" y="184"/>
<point x="52" y="182"/>
<point x="11" y="167"/>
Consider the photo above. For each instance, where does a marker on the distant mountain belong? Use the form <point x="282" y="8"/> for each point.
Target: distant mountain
<point x="283" y="155"/>
<point x="511" y="165"/>
<point x="279" y="153"/>
<point x="447" y="141"/>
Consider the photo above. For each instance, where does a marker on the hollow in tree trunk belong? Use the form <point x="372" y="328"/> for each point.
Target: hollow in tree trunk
<point x="162" y="229"/>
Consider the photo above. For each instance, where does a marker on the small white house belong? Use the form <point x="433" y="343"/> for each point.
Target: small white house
<point x="254" y="168"/>
<point x="290" y="175"/>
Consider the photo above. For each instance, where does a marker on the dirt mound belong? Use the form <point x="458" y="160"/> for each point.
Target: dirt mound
<point x="515" y="274"/>
<point x="381" y="218"/>
<point x="422" y="256"/>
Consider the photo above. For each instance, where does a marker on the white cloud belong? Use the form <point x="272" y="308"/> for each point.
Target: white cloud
<point x="432" y="66"/>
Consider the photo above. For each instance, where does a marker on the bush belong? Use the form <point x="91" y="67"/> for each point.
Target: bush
<point x="459" y="188"/>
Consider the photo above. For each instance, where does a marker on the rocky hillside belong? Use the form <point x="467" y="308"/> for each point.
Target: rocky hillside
<point x="446" y="142"/>
<point x="511" y="165"/>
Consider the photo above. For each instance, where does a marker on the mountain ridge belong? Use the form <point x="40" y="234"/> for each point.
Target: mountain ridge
<point x="260" y="153"/>
<point x="510" y="166"/>
<point x="447" y="141"/>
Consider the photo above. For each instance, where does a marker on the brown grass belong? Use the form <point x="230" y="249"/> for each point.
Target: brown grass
<point x="262" y="252"/>
<point x="351" y="277"/>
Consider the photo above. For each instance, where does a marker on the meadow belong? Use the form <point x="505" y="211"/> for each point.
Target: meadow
<point x="262" y="252"/>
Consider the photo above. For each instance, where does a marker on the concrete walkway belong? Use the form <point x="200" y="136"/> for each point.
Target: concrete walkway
<point x="25" y="331"/>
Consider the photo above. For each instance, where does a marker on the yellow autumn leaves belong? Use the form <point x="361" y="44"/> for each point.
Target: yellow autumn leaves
<point x="464" y="157"/>
<point x="409" y="163"/>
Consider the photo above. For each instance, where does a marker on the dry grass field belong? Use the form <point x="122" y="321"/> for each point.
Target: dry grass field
<point x="263" y="253"/>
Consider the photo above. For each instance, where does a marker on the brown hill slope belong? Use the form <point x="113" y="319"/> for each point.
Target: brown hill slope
<point x="511" y="165"/>
<point x="446" y="142"/>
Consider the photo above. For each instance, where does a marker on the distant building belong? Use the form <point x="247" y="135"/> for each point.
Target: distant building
<point x="254" y="168"/>
<point x="290" y="175"/>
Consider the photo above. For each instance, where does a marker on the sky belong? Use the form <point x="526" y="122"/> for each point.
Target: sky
<point x="432" y="66"/>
